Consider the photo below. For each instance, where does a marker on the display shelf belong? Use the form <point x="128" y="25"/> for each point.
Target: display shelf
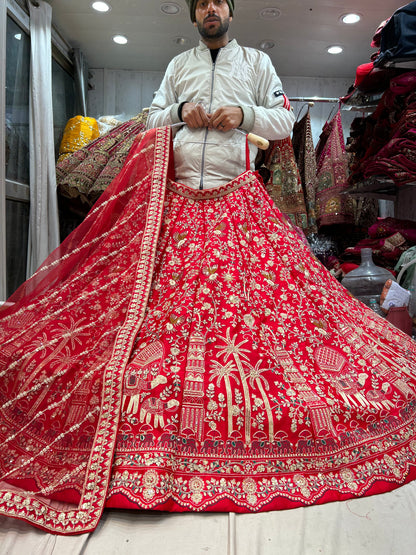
<point x="361" y="102"/>
<point x="379" y="187"/>
<point x="366" y="96"/>
<point x="402" y="64"/>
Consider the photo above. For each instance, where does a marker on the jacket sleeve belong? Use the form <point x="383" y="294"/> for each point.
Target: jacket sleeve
<point x="165" y="105"/>
<point x="273" y="117"/>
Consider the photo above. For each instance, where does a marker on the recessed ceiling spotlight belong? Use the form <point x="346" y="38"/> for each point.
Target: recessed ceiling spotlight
<point x="350" y="18"/>
<point x="181" y="41"/>
<point x="334" y="49"/>
<point x="101" y="7"/>
<point x="120" y="39"/>
<point x="170" y="8"/>
<point x="270" y="13"/>
<point x="266" y="44"/>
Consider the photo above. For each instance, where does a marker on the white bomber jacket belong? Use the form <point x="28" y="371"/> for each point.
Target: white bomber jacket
<point x="240" y="76"/>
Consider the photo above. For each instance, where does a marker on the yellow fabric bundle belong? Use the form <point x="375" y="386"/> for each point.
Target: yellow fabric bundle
<point x="79" y="131"/>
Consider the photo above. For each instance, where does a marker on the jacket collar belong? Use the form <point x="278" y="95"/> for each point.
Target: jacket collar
<point x="232" y="44"/>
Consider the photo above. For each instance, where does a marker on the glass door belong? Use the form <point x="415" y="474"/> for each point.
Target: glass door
<point x="14" y="135"/>
<point x="16" y="153"/>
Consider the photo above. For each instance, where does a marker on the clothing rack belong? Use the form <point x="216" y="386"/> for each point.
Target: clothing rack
<point x="313" y="99"/>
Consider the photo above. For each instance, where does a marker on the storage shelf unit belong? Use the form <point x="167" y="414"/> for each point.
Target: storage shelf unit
<point x="378" y="187"/>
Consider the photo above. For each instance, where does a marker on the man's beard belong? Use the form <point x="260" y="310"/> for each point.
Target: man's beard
<point x="215" y="33"/>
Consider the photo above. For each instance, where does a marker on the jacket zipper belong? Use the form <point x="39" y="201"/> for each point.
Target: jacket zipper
<point x="201" y="183"/>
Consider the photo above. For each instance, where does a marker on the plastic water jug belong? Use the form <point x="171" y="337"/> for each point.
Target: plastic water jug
<point x="367" y="281"/>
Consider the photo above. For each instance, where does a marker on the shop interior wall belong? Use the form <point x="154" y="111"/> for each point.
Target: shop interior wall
<point x="125" y="93"/>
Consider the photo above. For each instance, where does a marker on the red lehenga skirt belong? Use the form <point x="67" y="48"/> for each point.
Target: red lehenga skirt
<point x="183" y="351"/>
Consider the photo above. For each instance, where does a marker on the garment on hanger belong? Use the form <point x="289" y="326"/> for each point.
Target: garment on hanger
<point x="323" y="139"/>
<point x="365" y="209"/>
<point x="306" y="161"/>
<point x="332" y="205"/>
<point x="284" y="185"/>
<point x="183" y="350"/>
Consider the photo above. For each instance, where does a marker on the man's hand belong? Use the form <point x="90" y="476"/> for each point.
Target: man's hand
<point x="194" y="115"/>
<point x="226" y="118"/>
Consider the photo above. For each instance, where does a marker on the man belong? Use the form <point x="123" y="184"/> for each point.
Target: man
<point x="214" y="89"/>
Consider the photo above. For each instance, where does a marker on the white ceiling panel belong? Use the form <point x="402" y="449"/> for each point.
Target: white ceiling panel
<point x="301" y="33"/>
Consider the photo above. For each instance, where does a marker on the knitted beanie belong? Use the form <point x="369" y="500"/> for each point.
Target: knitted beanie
<point x="192" y="7"/>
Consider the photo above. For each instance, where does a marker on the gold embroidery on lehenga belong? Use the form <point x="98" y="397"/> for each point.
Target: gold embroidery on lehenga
<point x="142" y="375"/>
<point x="263" y="423"/>
<point x="193" y="411"/>
<point x="229" y="349"/>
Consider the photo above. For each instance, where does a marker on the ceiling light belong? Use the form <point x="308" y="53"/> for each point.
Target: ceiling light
<point x="266" y="44"/>
<point x="181" y="41"/>
<point x="350" y="18"/>
<point x="120" y="39"/>
<point x="170" y="8"/>
<point x="270" y="13"/>
<point x="334" y="49"/>
<point x="101" y="6"/>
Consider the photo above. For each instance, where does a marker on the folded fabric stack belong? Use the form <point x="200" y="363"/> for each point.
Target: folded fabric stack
<point x="384" y="144"/>
<point x="78" y="132"/>
<point x="388" y="238"/>
<point x="397" y="159"/>
<point x="86" y="173"/>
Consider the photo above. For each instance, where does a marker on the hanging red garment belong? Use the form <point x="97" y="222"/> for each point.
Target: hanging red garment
<point x="183" y="350"/>
<point x="284" y="184"/>
<point x="333" y="206"/>
<point x="323" y="139"/>
<point x="305" y="158"/>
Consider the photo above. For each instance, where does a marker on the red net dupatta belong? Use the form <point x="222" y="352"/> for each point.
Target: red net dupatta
<point x="65" y="343"/>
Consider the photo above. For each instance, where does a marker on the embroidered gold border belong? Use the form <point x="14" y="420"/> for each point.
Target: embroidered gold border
<point x="245" y="178"/>
<point x="91" y="505"/>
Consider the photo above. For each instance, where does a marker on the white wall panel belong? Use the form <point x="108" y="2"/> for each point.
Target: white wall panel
<point x="121" y="92"/>
<point x="128" y="92"/>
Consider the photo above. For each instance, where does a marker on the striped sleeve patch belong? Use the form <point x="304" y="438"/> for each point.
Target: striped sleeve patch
<point x="286" y="103"/>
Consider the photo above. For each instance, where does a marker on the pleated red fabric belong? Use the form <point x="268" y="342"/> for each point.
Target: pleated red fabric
<point x="183" y="350"/>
